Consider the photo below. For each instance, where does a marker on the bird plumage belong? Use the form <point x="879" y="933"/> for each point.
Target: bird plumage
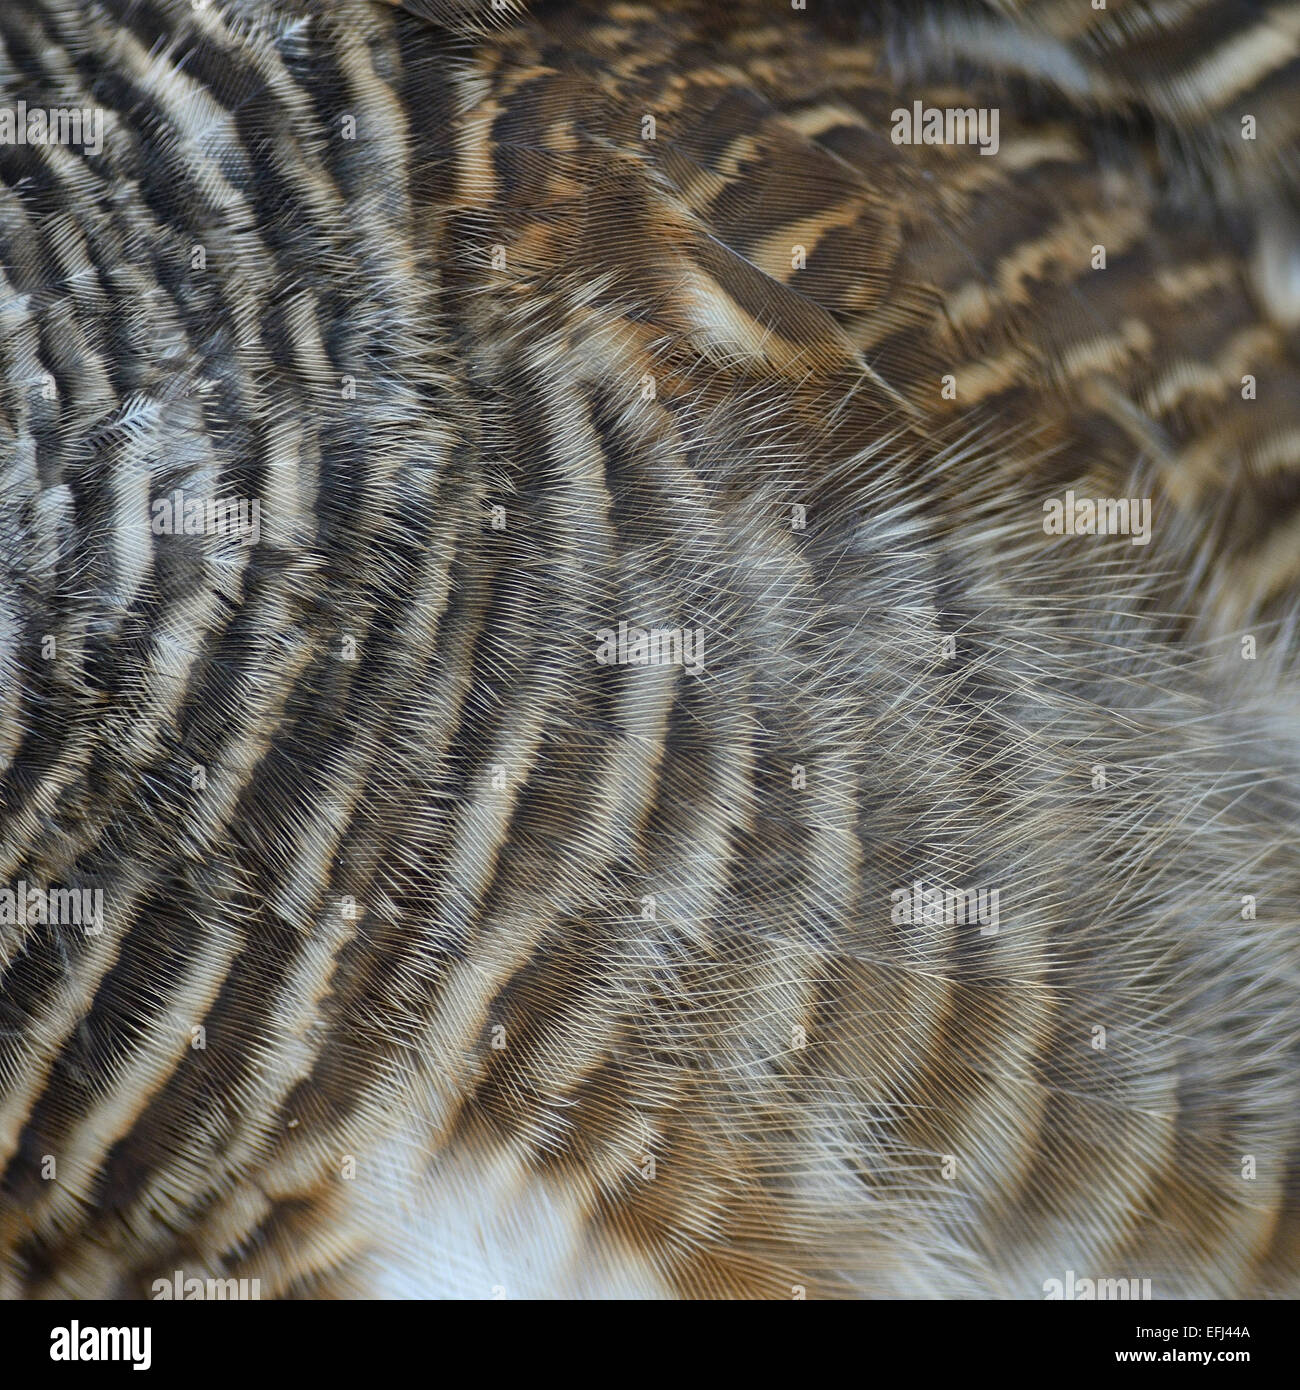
<point x="441" y="956"/>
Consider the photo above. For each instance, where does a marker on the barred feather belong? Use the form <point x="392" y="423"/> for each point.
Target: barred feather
<point x="440" y="957"/>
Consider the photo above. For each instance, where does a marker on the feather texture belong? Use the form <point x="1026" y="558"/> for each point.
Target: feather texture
<point x="439" y="953"/>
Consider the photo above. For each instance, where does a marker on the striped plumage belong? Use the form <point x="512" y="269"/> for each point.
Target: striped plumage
<point x="620" y="1007"/>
